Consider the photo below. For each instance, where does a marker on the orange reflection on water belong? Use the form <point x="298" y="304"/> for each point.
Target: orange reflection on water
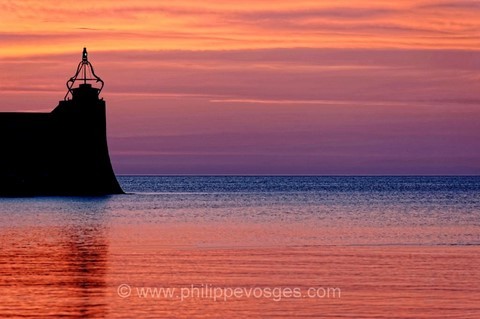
<point x="376" y="282"/>
<point x="54" y="271"/>
<point x="75" y="271"/>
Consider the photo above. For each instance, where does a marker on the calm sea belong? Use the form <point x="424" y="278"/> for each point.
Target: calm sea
<point x="229" y="246"/>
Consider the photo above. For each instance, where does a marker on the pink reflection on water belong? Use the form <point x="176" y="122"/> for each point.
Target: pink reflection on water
<point x="53" y="271"/>
<point x="75" y="271"/>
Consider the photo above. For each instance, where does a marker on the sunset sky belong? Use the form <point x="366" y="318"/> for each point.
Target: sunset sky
<point x="261" y="87"/>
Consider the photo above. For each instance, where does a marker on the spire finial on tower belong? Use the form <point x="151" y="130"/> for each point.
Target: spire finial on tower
<point x="84" y="55"/>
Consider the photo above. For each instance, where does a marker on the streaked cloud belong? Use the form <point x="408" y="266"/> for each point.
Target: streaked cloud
<point x="56" y="27"/>
<point x="325" y="87"/>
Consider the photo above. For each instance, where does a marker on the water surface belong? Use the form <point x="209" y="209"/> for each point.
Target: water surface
<point x="404" y="247"/>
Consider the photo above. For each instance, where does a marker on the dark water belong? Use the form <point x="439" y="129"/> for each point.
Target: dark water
<point x="406" y="247"/>
<point x="292" y="184"/>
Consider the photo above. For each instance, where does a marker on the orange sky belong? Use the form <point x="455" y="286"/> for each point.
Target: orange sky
<point x="304" y="87"/>
<point x="46" y="27"/>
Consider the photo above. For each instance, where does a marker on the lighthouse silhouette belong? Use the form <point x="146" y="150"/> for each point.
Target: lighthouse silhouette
<point x="61" y="153"/>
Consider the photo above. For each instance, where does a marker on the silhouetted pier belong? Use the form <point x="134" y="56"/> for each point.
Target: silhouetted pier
<point x="63" y="152"/>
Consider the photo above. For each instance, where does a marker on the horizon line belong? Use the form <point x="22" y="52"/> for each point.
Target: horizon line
<point x="313" y="175"/>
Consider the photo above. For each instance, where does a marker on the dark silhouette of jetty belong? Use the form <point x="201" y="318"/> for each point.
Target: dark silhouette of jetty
<point x="61" y="153"/>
